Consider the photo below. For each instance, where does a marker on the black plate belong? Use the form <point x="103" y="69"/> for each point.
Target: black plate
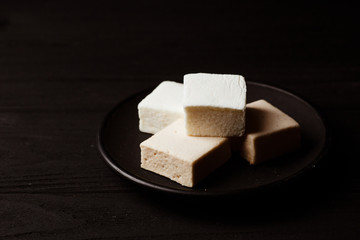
<point x="119" y="139"/>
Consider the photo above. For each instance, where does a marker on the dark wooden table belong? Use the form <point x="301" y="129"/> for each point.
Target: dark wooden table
<point x="65" y="64"/>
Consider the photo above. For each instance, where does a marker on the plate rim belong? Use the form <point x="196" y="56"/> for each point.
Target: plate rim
<point x="194" y="192"/>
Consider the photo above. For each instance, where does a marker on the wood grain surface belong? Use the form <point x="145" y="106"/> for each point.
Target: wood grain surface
<point x="65" y="64"/>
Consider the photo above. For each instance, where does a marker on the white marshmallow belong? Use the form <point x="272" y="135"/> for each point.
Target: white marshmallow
<point x="214" y="104"/>
<point x="161" y="107"/>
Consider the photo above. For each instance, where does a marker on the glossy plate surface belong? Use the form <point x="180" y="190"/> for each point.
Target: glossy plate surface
<point x="119" y="138"/>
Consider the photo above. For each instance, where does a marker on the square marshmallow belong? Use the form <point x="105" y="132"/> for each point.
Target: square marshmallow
<point x="269" y="133"/>
<point x="214" y="104"/>
<point x="161" y="107"/>
<point x="182" y="158"/>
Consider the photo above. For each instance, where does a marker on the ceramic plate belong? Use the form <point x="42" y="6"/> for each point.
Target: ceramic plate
<point x="119" y="138"/>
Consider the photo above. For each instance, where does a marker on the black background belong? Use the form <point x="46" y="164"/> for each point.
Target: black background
<point x="65" y="64"/>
